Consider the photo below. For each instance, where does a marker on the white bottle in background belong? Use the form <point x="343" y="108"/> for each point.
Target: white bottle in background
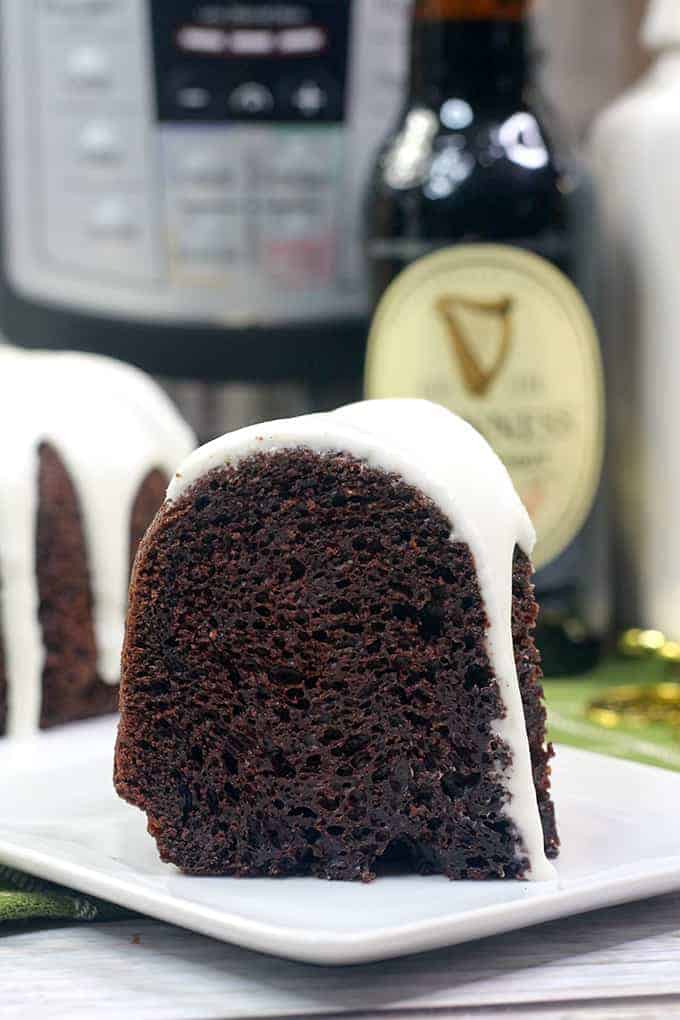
<point x="636" y="156"/>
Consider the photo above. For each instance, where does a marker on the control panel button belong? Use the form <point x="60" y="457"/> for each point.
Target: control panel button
<point x="211" y="237"/>
<point x="191" y="94"/>
<point x="309" y="98"/>
<point x="298" y="161"/>
<point x="92" y="60"/>
<point x="112" y="218"/>
<point x="89" y="66"/>
<point x="251" y="99"/>
<point x="106" y="236"/>
<point x="209" y="160"/>
<point x="92" y="151"/>
<point x="206" y="167"/>
<point x="193" y="97"/>
<point x="314" y="96"/>
<point x="99" y="142"/>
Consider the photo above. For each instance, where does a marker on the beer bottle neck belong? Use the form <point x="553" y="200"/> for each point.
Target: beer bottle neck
<point x="481" y="59"/>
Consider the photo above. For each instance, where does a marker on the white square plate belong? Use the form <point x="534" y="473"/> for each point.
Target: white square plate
<point x="61" y="820"/>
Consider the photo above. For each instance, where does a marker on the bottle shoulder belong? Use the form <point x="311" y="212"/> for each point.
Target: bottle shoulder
<point x="461" y="154"/>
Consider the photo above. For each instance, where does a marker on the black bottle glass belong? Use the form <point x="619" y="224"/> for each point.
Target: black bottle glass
<point x="480" y="237"/>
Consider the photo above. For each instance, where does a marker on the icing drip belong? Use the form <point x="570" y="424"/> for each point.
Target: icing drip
<point x="446" y="459"/>
<point x="111" y="426"/>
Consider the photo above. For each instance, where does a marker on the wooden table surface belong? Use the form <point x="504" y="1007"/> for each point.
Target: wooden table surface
<point x="622" y="963"/>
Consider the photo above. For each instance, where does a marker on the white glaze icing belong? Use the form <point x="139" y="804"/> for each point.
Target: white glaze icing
<point x="447" y="460"/>
<point x="111" y="426"/>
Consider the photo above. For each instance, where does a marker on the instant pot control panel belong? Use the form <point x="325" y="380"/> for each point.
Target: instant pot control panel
<point x="177" y="160"/>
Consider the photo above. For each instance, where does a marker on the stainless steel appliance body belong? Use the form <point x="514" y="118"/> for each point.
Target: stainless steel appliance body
<point x="182" y="181"/>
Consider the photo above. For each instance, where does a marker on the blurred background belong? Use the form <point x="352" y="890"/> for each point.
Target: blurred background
<point x="220" y="192"/>
<point x="121" y="228"/>
<point x="592" y="52"/>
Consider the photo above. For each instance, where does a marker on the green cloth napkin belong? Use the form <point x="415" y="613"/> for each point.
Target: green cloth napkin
<point x="23" y="898"/>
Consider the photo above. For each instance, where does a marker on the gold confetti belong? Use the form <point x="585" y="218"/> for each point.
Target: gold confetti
<point x="635" y="705"/>
<point x="604" y="717"/>
<point x="651" y="640"/>
<point x="629" y="643"/>
<point x="670" y="650"/>
<point x="668" y="693"/>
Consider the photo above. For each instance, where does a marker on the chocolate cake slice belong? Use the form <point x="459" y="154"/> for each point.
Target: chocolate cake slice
<point x="89" y="445"/>
<point x="329" y="663"/>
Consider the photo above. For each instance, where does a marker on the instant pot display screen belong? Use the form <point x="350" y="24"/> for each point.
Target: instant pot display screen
<point x="254" y="61"/>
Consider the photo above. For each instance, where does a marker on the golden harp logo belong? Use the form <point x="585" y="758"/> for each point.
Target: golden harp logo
<point x="481" y="337"/>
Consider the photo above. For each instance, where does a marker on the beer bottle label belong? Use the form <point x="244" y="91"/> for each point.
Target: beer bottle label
<point x="504" y="339"/>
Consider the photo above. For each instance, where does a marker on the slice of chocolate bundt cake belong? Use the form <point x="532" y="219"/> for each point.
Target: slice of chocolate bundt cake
<point x="329" y="658"/>
<point x="88" y="446"/>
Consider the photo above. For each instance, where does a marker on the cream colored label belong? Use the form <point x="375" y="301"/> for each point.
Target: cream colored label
<point x="504" y="339"/>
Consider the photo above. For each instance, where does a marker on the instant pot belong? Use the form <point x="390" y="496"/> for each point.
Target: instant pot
<point x="182" y="181"/>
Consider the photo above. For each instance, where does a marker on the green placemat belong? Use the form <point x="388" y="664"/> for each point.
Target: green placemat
<point x="23" y="898"/>
<point x="569" y="723"/>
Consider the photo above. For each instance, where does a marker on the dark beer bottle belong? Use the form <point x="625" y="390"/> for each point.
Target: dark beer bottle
<point x="480" y="251"/>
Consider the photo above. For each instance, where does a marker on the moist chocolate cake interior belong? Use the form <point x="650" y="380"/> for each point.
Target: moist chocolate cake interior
<point x="308" y="688"/>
